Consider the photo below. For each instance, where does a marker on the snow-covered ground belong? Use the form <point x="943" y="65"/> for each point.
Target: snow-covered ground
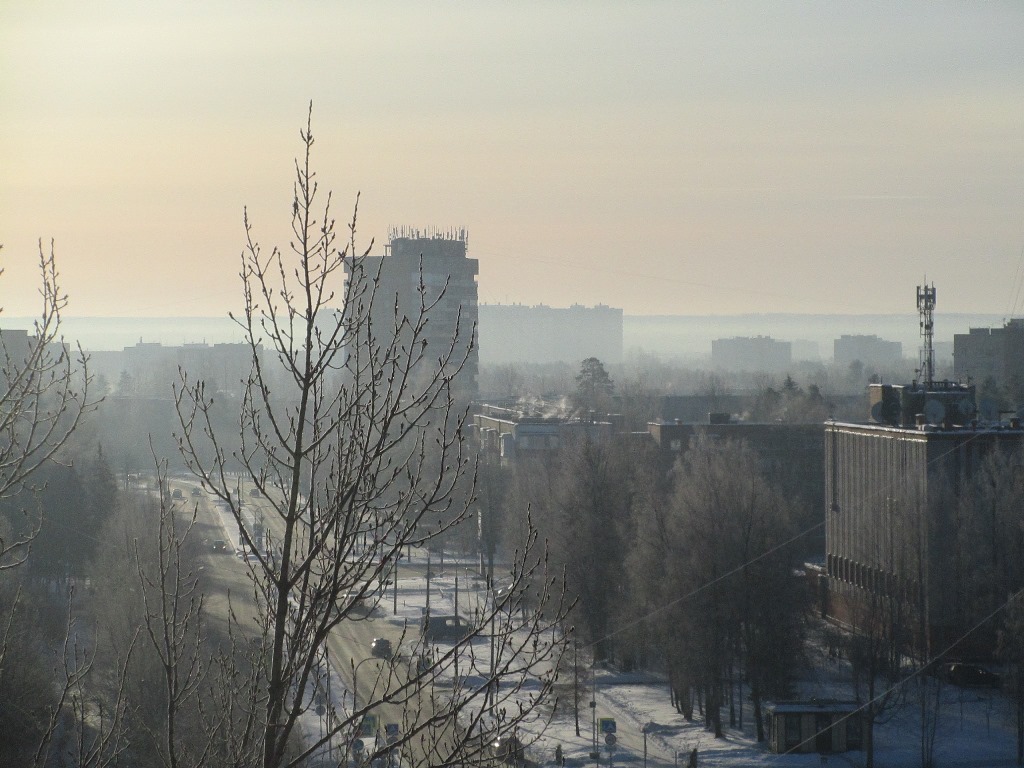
<point x="976" y="726"/>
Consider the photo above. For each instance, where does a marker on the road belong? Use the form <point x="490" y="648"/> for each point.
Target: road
<point x="226" y="579"/>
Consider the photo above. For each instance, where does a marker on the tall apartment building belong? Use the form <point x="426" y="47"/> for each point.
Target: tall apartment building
<point x="515" y="333"/>
<point x="990" y="352"/>
<point x="436" y="260"/>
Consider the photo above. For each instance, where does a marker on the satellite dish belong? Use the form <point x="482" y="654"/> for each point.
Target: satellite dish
<point x="876" y="413"/>
<point x="934" y="411"/>
<point x="989" y="410"/>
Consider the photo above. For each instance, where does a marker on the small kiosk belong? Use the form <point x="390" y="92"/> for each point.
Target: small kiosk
<point x="817" y="725"/>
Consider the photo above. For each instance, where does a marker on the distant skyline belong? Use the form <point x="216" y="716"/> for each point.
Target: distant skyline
<point x="663" y="157"/>
<point x="681" y="336"/>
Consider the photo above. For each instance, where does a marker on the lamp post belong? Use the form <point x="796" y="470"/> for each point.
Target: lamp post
<point x="394" y="587"/>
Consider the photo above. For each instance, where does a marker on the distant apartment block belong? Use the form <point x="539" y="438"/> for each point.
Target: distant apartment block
<point x="149" y="369"/>
<point x="870" y="350"/>
<point x="751" y="353"/>
<point x="515" y="333"/>
<point x="448" y="276"/>
<point x="806" y="349"/>
<point x="990" y="352"/>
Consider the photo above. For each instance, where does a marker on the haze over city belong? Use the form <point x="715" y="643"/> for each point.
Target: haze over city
<point x="666" y="158"/>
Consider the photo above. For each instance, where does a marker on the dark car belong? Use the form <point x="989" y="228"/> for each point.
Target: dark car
<point x="196" y="492"/>
<point x="508" y="749"/>
<point x="968" y="675"/>
<point x="255" y="493"/>
<point x="446" y="629"/>
<point x="381" y="648"/>
<point x="220" y="545"/>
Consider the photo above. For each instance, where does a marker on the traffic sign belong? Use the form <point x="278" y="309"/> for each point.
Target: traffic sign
<point x="609" y="739"/>
<point x="357" y="745"/>
<point x="391" y="731"/>
<point x="606" y="724"/>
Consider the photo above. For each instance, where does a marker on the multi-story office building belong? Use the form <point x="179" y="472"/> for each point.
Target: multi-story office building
<point x="429" y="269"/>
<point x="892" y="491"/>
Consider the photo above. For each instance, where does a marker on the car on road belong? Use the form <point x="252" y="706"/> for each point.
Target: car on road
<point x="177" y="494"/>
<point x="380" y="648"/>
<point x="255" y="493"/>
<point x="966" y="675"/>
<point x="219" y="545"/>
<point x="446" y="629"/>
<point x="509" y="749"/>
<point x="197" y="492"/>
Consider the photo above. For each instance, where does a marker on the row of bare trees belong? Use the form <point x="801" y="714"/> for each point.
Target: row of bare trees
<point x="692" y="573"/>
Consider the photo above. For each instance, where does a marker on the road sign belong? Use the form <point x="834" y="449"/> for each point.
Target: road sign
<point x="357" y="745"/>
<point x="391" y="731"/>
<point x="606" y="724"/>
<point x="369" y="725"/>
<point x="609" y="739"/>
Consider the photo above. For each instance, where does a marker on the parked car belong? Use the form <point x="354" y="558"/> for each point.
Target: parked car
<point x="968" y="675"/>
<point x="380" y="648"/>
<point x="508" y="749"/>
<point x="255" y="493"/>
<point x="445" y="629"/>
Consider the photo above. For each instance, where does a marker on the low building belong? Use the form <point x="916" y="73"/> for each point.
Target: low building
<point x="508" y="434"/>
<point x="792" y="455"/>
<point x="814" y="726"/>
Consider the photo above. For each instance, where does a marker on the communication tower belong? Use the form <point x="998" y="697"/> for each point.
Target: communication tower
<point x="925" y="308"/>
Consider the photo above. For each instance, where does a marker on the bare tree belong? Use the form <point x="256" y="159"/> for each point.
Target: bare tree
<point x="44" y="393"/>
<point x="363" y="446"/>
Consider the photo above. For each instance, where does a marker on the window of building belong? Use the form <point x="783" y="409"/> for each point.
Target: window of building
<point x="853" y="734"/>
<point x="792" y="731"/>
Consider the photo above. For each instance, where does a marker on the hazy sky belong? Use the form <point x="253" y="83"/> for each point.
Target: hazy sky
<point x="664" y="157"/>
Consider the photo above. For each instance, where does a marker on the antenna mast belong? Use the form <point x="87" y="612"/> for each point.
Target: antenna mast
<point x="925" y="307"/>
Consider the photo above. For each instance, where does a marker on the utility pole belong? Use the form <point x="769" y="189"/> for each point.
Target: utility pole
<point x="575" y="681"/>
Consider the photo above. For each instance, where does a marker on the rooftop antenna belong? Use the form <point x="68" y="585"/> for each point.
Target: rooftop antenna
<point x="925" y="307"/>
